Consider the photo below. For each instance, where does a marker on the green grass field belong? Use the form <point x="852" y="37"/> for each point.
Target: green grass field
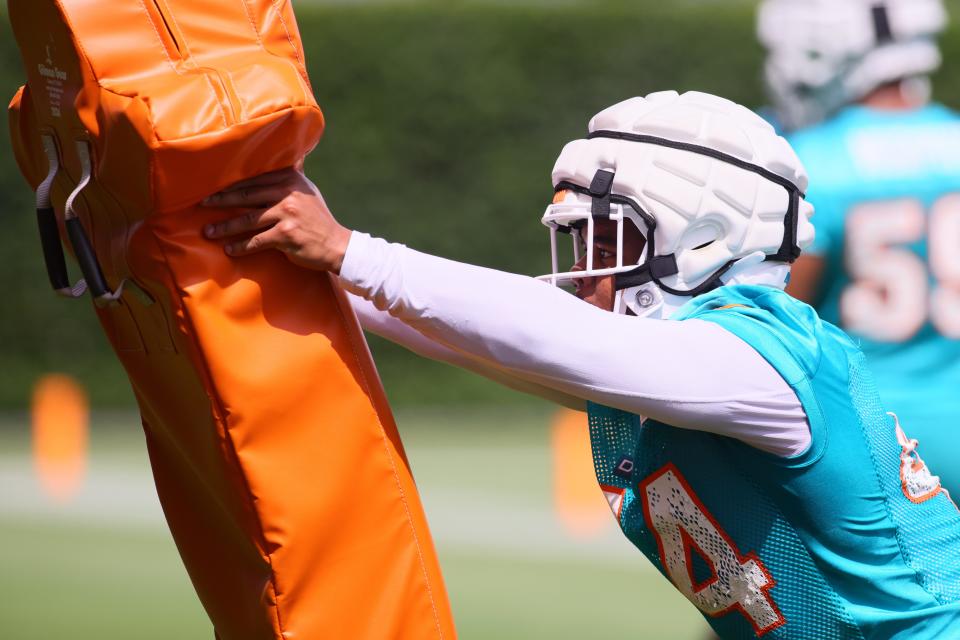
<point x="104" y="566"/>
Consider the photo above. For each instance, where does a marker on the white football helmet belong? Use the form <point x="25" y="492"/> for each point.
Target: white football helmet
<point x="825" y="54"/>
<point x="710" y="185"/>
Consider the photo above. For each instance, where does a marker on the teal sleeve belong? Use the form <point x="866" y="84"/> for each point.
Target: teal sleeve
<point x="785" y="332"/>
<point x="769" y="320"/>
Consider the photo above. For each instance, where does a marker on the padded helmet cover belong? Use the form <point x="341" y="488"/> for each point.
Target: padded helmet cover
<point x="708" y="212"/>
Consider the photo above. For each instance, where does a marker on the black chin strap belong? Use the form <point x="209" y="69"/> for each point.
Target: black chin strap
<point x="653" y="270"/>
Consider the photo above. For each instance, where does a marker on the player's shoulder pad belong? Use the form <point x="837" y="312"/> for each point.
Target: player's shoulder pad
<point x="786" y="332"/>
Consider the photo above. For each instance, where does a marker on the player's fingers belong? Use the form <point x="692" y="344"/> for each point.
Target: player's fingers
<point x="253" y="220"/>
<point x="269" y="239"/>
<point x="255" y="190"/>
<point x="271" y="177"/>
<point x="254" y="196"/>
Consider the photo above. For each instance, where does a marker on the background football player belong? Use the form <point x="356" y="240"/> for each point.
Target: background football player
<point x="848" y="78"/>
<point x="764" y="479"/>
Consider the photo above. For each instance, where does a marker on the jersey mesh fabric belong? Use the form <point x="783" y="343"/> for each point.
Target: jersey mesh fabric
<point x="927" y="536"/>
<point x="822" y="523"/>
<point x="809" y="606"/>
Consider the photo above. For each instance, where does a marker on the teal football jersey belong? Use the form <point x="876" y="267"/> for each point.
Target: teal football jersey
<point x="886" y="189"/>
<point x="851" y="539"/>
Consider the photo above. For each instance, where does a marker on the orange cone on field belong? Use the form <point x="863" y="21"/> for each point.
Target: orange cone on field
<point x="60" y="419"/>
<point x="579" y="504"/>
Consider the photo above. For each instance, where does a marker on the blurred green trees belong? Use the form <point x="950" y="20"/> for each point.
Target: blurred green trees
<point x="444" y="121"/>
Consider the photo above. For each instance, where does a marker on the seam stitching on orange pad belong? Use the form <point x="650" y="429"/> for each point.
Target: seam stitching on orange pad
<point x="253" y="25"/>
<point x="183" y="39"/>
<point x="159" y="39"/>
<point x="220" y="418"/>
<point x="279" y="8"/>
<point x="393" y="466"/>
<point x="223" y="115"/>
<point x="242" y="113"/>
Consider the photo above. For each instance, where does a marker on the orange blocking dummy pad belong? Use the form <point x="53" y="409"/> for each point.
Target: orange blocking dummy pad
<point x="276" y="459"/>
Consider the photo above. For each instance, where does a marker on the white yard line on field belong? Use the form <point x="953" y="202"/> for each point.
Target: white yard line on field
<point x="116" y="496"/>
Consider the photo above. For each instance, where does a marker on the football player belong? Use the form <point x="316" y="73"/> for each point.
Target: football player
<point x="738" y="438"/>
<point x="849" y="79"/>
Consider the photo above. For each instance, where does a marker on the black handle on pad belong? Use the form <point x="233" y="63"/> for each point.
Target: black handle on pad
<point x="52" y="249"/>
<point x="86" y="258"/>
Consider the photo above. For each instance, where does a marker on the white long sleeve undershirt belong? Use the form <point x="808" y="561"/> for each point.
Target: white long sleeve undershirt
<point x="536" y="338"/>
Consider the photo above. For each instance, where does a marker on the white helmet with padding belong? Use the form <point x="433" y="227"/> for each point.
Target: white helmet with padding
<point x="825" y="54"/>
<point x="708" y="183"/>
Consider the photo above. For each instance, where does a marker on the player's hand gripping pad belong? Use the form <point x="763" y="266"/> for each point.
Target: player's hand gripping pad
<point x="275" y="455"/>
